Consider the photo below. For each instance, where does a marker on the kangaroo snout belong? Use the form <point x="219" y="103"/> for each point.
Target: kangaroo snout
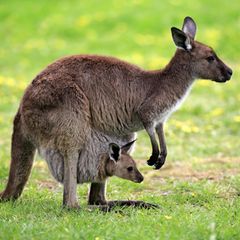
<point x="229" y="74"/>
<point x="226" y="74"/>
<point x="139" y="178"/>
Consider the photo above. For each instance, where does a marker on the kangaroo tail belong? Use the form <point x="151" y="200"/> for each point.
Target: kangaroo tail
<point x="22" y="155"/>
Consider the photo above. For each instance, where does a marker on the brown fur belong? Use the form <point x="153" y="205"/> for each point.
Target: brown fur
<point x="83" y="92"/>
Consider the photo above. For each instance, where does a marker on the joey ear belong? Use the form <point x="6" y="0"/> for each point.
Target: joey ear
<point x="180" y="39"/>
<point x="114" y="152"/>
<point x="128" y="146"/>
<point x="189" y="27"/>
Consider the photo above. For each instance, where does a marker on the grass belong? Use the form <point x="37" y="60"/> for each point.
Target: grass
<point x="199" y="187"/>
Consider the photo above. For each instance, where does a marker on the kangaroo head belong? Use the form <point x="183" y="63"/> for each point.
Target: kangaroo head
<point x="203" y="61"/>
<point x="121" y="164"/>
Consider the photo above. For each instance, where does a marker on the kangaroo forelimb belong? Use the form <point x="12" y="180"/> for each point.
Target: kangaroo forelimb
<point x="155" y="149"/>
<point x="163" y="154"/>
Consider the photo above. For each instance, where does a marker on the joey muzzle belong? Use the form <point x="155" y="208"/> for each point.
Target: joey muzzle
<point x="139" y="178"/>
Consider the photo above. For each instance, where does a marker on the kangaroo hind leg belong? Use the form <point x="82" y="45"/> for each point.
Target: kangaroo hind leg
<point x="70" y="179"/>
<point x="97" y="194"/>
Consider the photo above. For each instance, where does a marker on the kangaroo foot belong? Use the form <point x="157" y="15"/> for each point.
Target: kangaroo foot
<point x="98" y="202"/>
<point x="2" y="198"/>
<point x="111" y="205"/>
<point x="131" y="203"/>
<point x="75" y="206"/>
<point x="7" y="196"/>
<point x="103" y="208"/>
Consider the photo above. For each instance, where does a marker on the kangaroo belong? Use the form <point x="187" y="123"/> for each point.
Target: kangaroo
<point x="96" y="163"/>
<point x="79" y="93"/>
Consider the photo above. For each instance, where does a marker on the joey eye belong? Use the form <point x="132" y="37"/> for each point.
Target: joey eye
<point x="130" y="169"/>
<point x="210" y="59"/>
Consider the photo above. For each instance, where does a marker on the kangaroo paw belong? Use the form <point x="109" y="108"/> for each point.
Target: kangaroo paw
<point x="160" y="162"/>
<point x="152" y="160"/>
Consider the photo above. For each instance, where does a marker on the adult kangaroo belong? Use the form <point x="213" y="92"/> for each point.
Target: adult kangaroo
<point x="78" y="93"/>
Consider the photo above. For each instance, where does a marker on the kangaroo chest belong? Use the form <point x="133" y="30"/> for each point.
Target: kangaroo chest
<point x="164" y="111"/>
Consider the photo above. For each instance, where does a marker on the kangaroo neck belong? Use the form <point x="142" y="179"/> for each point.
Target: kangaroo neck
<point x="171" y="85"/>
<point x="178" y="72"/>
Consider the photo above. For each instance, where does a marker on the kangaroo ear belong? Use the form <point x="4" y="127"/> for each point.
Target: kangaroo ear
<point x="180" y="39"/>
<point x="189" y="27"/>
<point x="128" y="146"/>
<point x="114" y="152"/>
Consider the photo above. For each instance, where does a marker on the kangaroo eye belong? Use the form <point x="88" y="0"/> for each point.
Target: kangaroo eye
<point x="210" y="59"/>
<point x="130" y="169"/>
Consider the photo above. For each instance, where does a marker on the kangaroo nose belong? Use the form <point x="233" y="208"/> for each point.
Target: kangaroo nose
<point x="229" y="71"/>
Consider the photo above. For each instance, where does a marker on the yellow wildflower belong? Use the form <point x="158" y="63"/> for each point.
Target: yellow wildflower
<point x="83" y="21"/>
<point x="217" y="112"/>
<point x="236" y="118"/>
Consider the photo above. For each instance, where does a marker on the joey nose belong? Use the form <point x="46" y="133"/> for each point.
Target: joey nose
<point x="140" y="178"/>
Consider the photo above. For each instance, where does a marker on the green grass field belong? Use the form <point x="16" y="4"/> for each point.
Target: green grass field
<point x="198" y="189"/>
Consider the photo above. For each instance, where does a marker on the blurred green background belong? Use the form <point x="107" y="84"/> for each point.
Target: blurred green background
<point x="202" y="137"/>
